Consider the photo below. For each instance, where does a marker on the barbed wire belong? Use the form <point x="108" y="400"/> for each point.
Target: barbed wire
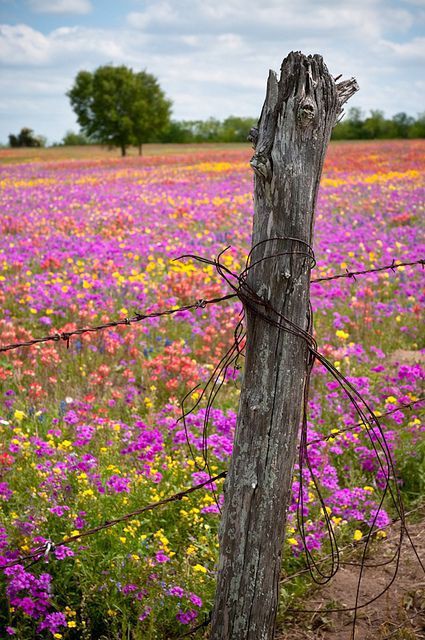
<point x="339" y="432"/>
<point x="352" y="274"/>
<point x="353" y="545"/>
<point x="349" y="547"/>
<point x="49" y="546"/>
<point x="65" y="336"/>
<point x="40" y="553"/>
<point x="265" y="310"/>
<point x="268" y="313"/>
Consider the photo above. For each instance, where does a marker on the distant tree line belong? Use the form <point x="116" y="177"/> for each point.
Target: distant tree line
<point x="357" y="126"/>
<point x="354" y="126"/>
<point x="232" y="129"/>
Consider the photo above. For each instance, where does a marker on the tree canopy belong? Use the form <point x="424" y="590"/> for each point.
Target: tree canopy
<point x="118" y="107"/>
<point x="26" y="138"/>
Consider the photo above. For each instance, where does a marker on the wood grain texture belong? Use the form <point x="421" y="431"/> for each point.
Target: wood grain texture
<point x="293" y="132"/>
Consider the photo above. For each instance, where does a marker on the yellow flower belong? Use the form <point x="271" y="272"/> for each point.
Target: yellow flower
<point x="72" y="624"/>
<point x="200" y="568"/>
<point x="19" y="415"/>
<point x="58" y="636"/>
<point x="342" y="334"/>
<point x="293" y="541"/>
<point x="357" y="535"/>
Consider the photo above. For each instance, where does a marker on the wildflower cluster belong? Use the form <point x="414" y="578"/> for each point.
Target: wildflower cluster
<point x="92" y="432"/>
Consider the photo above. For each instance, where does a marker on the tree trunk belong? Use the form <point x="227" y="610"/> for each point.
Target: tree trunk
<point x="123" y="150"/>
<point x="293" y="132"/>
<point x="140" y="149"/>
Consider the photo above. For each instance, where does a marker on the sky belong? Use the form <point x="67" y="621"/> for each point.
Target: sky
<point x="210" y="57"/>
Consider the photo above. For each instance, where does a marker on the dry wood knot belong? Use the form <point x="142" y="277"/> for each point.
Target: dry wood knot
<point x="306" y="112"/>
<point x="261" y="165"/>
<point x="253" y="136"/>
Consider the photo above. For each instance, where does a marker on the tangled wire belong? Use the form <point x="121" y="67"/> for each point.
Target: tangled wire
<point x="265" y="310"/>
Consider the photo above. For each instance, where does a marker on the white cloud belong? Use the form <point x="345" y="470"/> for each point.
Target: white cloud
<point x="212" y="58"/>
<point x="274" y="19"/>
<point x="413" y="50"/>
<point x="21" y="44"/>
<point x="76" y="7"/>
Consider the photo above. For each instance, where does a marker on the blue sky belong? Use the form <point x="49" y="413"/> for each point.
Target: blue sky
<point x="211" y="57"/>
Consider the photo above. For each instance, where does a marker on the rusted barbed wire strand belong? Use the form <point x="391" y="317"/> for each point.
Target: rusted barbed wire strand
<point x="352" y="274"/>
<point x="138" y="317"/>
<point x="335" y="434"/>
<point x="50" y="545"/>
<point x="39" y="554"/>
<point x="351" y="546"/>
<point x="265" y="310"/>
<point x="199" y="304"/>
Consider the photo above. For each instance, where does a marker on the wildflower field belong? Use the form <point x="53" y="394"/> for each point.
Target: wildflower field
<point x="90" y="431"/>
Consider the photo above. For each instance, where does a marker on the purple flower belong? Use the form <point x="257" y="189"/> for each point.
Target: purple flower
<point x="119" y="484"/>
<point x="186" y="617"/>
<point x="176" y="591"/>
<point x="146" y="611"/>
<point x="161" y="558"/>
<point x="5" y="492"/>
<point x="53" y="622"/>
<point x="70" y="417"/>
<point x="63" y="552"/>
<point x="196" y="600"/>
<point x="59" y="510"/>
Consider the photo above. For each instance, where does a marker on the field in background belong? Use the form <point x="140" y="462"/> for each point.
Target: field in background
<point x="8" y="156"/>
<point x="91" y="432"/>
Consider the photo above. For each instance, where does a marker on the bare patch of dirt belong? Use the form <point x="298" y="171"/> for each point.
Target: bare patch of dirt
<point x="399" y="614"/>
<point x="404" y="356"/>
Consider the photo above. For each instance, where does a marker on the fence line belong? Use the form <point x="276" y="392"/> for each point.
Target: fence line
<point x="350" y="546"/>
<point x="352" y="274"/>
<point x="43" y="551"/>
<point x="339" y="432"/>
<point x="199" y="304"/>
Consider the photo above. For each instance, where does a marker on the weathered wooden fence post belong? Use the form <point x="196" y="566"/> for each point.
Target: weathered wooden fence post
<point x="294" y="129"/>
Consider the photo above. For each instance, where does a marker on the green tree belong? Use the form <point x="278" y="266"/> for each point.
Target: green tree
<point x="417" y="130"/>
<point x="118" y="107"/>
<point x="402" y="123"/>
<point x="236" y="129"/>
<point x="150" y="110"/>
<point x="26" y="138"/>
<point x="72" y="139"/>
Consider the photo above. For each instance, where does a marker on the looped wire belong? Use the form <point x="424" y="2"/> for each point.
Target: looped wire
<point x="265" y="310"/>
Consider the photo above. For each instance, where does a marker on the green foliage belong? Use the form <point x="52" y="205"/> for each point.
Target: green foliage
<point x="26" y="138"/>
<point x="118" y="107"/>
<point x="358" y="127"/>
<point x="74" y="139"/>
<point x="232" y="129"/>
